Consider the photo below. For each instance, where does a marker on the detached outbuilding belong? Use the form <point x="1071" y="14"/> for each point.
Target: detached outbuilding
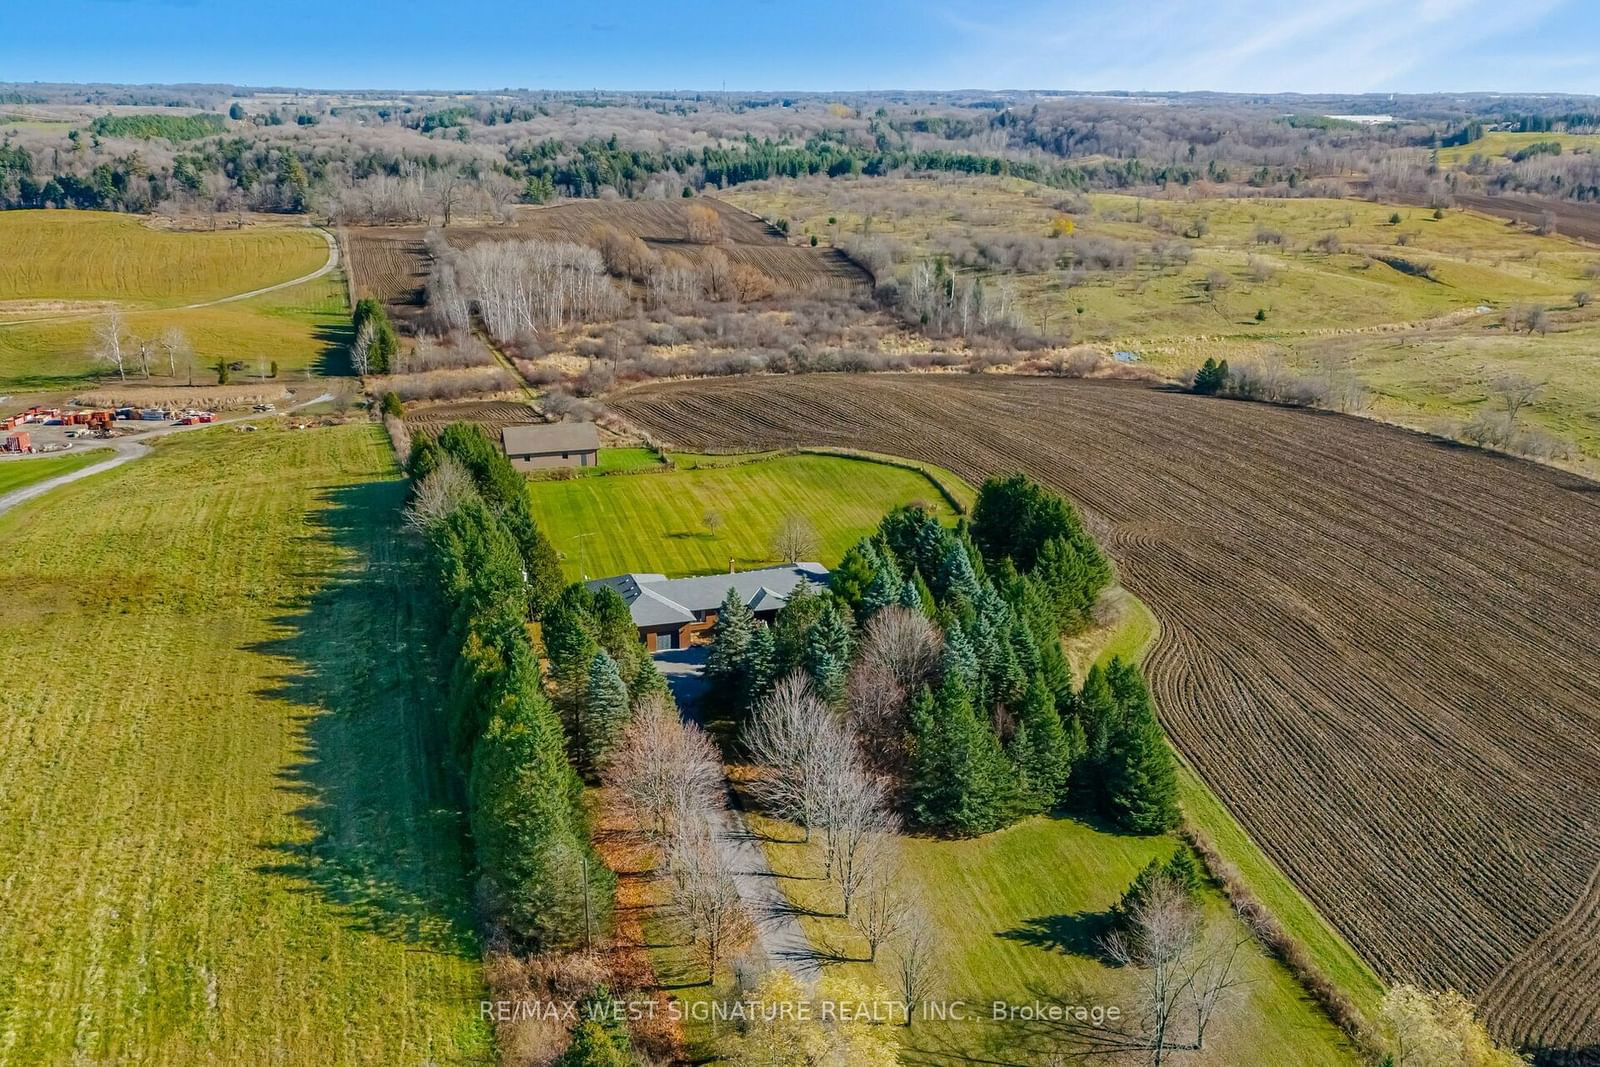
<point x="536" y="447"/>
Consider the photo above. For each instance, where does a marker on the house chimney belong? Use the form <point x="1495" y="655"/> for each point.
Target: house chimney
<point x="730" y="564"/>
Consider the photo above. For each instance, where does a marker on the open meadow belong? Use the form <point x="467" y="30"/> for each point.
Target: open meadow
<point x="656" y="522"/>
<point x="227" y="835"/>
<point x="1378" y="650"/>
<point x="79" y="266"/>
<point x="1426" y="312"/>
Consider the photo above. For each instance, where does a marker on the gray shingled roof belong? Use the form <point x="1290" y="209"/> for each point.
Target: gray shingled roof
<point x="554" y="437"/>
<point x="655" y="600"/>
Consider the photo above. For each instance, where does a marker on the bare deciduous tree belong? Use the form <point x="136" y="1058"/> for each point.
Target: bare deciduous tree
<point x="856" y="823"/>
<point x="702" y="224"/>
<point x="175" y="344"/>
<point x="526" y="287"/>
<point x="796" y="744"/>
<point x="1515" y="392"/>
<point x="110" y="342"/>
<point x="663" y="768"/>
<point x="795" y="539"/>
<point x="1188" y="973"/>
<point x="449" y="188"/>
<point x="916" y="967"/>
<point x="439" y="493"/>
<point x="712" y="520"/>
<point x="361" y="349"/>
<point x="884" y="912"/>
<point x="715" y="916"/>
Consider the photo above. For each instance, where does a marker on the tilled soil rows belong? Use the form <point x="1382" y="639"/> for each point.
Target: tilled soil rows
<point x="1381" y="651"/>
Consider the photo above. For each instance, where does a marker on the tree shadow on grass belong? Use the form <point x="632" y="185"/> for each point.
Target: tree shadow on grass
<point x="382" y="835"/>
<point x="333" y="357"/>
<point x="1079" y="934"/>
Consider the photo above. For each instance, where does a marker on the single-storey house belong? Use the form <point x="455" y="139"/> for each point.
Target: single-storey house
<point x="535" y="447"/>
<point x="674" y="612"/>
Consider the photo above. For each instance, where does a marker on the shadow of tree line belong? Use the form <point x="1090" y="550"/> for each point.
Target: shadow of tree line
<point x="387" y="844"/>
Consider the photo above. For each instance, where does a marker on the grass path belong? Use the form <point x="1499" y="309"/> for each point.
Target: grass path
<point x="20" y="473"/>
<point x="226" y="836"/>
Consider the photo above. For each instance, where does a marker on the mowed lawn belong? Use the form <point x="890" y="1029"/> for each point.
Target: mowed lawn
<point x="656" y="523"/>
<point x="225" y="834"/>
<point x="19" y="473"/>
<point x="1018" y="915"/>
<point x="96" y="255"/>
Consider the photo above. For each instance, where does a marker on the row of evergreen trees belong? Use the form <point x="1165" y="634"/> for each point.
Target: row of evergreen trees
<point x="496" y="570"/>
<point x="997" y="729"/>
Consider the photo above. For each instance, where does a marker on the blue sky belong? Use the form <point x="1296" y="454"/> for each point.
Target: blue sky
<point x="1234" y="45"/>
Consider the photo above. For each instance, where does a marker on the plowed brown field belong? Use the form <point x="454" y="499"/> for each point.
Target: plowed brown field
<point x="1381" y="651"/>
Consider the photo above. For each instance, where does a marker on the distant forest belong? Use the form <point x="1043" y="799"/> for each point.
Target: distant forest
<point x="381" y="157"/>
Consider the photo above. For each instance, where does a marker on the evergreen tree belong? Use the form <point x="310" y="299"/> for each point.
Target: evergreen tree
<point x="1183" y="870"/>
<point x="570" y="633"/>
<point x="827" y="654"/>
<point x="594" y="1045"/>
<point x="959" y="661"/>
<point x="762" y="668"/>
<point x="915" y="538"/>
<point x="605" y="711"/>
<point x="1041" y="751"/>
<point x="792" y="632"/>
<point x="1180" y="871"/>
<point x="911" y="595"/>
<point x="960" y="780"/>
<point x="956" y="577"/>
<point x="531" y="837"/>
<point x="614" y="629"/>
<point x="856" y="572"/>
<point x="1211" y="377"/>
<point x="506" y="492"/>
<point x="886" y="588"/>
<point x="1099" y="715"/>
<point x="728" y="663"/>
<point x="1141" y="780"/>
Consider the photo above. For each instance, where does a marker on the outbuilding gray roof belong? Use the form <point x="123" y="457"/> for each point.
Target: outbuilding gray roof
<point x="656" y="600"/>
<point x="536" y="439"/>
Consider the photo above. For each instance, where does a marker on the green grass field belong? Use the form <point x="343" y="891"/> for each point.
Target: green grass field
<point x="80" y="264"/>
<point x="20" y="473"/>
<point x="655" y="523"/>
<point x="1501" y="145"/>
<point x="227" y="837"/>
<point x="95" y="256"/>
<point x="1017" y="914"/>
<point x="303" y="328"/>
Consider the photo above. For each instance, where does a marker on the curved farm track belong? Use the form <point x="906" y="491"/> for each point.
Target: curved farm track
<point x="1383" y="652"/>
